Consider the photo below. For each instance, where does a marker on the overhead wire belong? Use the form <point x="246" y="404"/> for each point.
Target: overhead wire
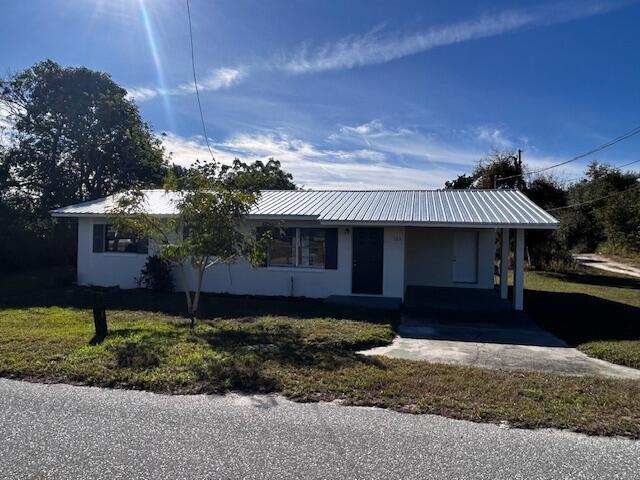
<point x="588" y="202"/>
<point x="582" y="178"/>
<point x="195" y="83"/>
<point x="610" y="143"/>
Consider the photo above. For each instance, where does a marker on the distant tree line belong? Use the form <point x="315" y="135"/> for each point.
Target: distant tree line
<point x="600" y="212"/>
<point x="73" y="135"/>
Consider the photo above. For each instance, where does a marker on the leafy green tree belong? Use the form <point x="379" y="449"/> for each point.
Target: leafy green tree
<point x="256" y="176"/>
<point x="545" y="248"/>
<point x="76" y="136"/>
<point x="463" y="181"/>
<point x="207" y="229"/>
<point x="620" y="217"/>
<point x="584" y="227"/>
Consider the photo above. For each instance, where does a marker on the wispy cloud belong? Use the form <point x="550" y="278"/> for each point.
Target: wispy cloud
<point x="495" y="137"/>
<point x="376" y="47"/>
<point x="217" y="79"/>
<point x="314" y="166"/>
<point x="406" y="144"/>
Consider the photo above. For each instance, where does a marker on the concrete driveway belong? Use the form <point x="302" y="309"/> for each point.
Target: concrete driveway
<point x="515" y="344"/>
<point x="52" y="432"/>
<point x="601" y="262"/>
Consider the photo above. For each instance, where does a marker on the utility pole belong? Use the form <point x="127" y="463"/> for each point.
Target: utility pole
<point x="519" y="165"/>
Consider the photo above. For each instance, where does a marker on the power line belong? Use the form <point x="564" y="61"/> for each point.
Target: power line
<point x="627" y="164"/>
<point x="195" y="83"/>
<point x="594" y="200"/>
<point x="608" y="144"/>
<point x="582" y="178"/>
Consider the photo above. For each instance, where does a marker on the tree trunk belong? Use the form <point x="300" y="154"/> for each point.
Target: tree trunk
<point x="187" y="290"/>
<point x="196" y="298"/>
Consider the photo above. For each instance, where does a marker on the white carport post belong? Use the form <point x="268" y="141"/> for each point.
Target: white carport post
<point x="518" y="271"/>
<point x="504" y="264"/>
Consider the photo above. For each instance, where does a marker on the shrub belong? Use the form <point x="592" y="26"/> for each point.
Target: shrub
<point x="156" y="275"/>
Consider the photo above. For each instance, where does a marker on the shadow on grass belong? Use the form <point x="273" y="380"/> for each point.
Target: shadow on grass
<point x="604" y="280"/>
<point x="287" y="347"/>
<point x="40" y="292"/>
<point x="233" y="356"/>
<point x="578" y="318"/>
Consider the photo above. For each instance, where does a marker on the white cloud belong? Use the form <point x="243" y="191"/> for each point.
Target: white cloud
<point x="406" y="142"/>
<point x="313" y="166"/>
<point x="218" y="79"/>
<point x="375" y="48"/>
<point x="142" y="94"/>
<point x="495" y="137"/>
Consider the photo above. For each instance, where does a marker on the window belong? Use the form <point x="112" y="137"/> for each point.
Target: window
<point x="311" y="249"/>
<point x="123" y="242"/>
<point x="304" y="247"/>
<point x="282" y="251"/>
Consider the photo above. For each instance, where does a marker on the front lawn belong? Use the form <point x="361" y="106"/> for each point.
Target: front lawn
<point x="597" y="312"/>
<point x="296" y="348"/>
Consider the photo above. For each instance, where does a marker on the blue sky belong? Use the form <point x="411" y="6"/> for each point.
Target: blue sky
<point x="401" y="94"/>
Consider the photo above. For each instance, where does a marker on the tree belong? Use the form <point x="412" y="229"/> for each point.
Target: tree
<point x="463" y="181"/>
<point x="545" y="248"/>
<point x="207" y="229"/>
<point x="584" y="227"/>
<point x="501" y="169"/>
<point x="76" y="136"/>
<point x="256" y="176"/>
<point x="620" y="216"/>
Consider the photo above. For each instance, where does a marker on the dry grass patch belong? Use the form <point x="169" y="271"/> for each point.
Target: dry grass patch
<point x="306" y="359"/>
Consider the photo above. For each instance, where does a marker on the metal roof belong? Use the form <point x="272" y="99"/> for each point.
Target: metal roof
<point x="488" y="208"/>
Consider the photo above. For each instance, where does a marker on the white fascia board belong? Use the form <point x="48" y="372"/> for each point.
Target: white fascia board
<point x="525" y="226"/>
<point x="283" y="218"/>
<point x="303" y="218"/>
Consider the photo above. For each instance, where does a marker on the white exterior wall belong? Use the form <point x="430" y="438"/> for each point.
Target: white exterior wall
<point x="243" y="279"/>
<point x="105" y="269"/>
<point x="111" y="269"/>
<point x="429" y="257"/>
<point x="394" y="262"/>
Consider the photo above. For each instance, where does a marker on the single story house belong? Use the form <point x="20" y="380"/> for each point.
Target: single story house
<point x="340" y="243"/>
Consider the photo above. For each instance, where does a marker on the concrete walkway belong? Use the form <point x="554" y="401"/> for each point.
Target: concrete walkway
<point x="600" y="262"/>
<point x="520" y="345"/>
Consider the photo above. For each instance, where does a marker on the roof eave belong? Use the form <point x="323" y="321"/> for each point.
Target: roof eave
<point x="524" y="226"/>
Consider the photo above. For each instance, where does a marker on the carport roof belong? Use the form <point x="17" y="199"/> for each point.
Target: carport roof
<point x="471" y="208"/>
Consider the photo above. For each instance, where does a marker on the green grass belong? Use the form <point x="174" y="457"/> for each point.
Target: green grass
<point x="599" y="313"/>
<point x="297" y="348"/>
<point x="157" y="352"/>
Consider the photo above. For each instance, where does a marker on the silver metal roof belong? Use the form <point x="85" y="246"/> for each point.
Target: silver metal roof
<point x="488" y="208"/>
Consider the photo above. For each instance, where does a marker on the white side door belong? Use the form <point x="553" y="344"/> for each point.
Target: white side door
<point x="465" y="257"/>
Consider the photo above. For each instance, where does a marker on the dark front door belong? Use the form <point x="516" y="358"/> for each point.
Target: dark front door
<point x="366" y="276"/>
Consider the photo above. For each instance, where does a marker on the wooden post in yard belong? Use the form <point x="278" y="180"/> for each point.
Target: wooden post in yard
<point x="99" y="317"/>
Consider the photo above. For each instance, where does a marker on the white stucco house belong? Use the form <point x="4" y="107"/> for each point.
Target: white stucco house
<point x="341" y="243"/>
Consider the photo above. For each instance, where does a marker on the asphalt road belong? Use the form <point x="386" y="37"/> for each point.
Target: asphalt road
<point x="66" y="432"/>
